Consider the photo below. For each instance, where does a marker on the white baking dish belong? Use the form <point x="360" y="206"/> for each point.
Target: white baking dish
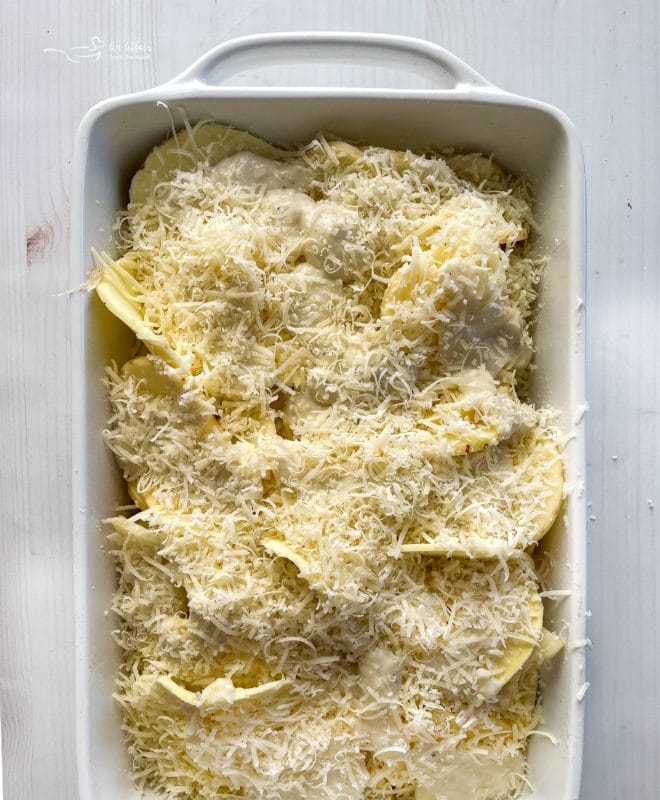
<point x="465" y="111"/>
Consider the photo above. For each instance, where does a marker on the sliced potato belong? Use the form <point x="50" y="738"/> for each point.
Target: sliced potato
<point x="477" y="169"/>
<point x="537" y="457"/>
<point x="547" y="454"/>
<point x="479" y="430"/>
<point x="281" y="549"/>
<point x="209" y="141"/>
<point x="550" y="645"/>
<point x="220" y="693"/>
<point x="346" y="153"/>
<point x="142" y="500"/>
<point x="474" y="770"/>
<point x="157" y="382"/>
<point x="126" y="528"/>
<point x="340" y="153"/>
<point x="421" y="270"/>
<point x="447" y="546"/>
<point x="119" y="292"/>
<point x="254" y="692"/>
<point x="480" y="413"/>
<point x="516" y="651"/>
<point x="193" y="411"/>
<point x="186" y="697"/>
<point x="479" y="437"/>
<point x="443" y="238"/>
<point x="154" y="381"/>
<point x="449" y="297"/>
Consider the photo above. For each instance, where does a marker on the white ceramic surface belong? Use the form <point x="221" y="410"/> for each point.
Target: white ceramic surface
<point x="526" y="137"/>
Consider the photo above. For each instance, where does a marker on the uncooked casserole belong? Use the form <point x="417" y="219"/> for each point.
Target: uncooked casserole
<point x="327" y="585"/>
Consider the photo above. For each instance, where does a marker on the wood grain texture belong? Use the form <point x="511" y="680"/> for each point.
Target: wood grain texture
<point x="596" y="59"/>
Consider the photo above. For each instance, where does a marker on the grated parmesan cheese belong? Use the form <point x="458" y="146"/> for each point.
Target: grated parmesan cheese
<point x="325" y="591"/>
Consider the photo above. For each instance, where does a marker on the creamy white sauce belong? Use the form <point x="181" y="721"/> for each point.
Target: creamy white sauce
<point x="314" y="295"/>
<point x="474" y="777"/>
<point x="301" y="409"/>
<point x="250" y="170"/>
<point x="380" y="673"/>
<point x="346" y="781"/>
<point x="333" y="242"/>
<point x="286" y="212"/>
<point x="479" y="328"/>
<point x="380" y="723"/>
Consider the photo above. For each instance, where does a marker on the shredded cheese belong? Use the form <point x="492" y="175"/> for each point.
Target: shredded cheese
<point x="325" y="591"/>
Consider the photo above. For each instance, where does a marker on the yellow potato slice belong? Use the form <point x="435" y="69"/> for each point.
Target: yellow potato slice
<point x="516" y="653"/>
<point x="126" y="528"/>
<point x="550" y="645"/>
<point x="157" y="382"/>
<point x="478" y="431"/>
<point x="347" y="154"/>
<point x="474" y="771"/>
<point x="420" y="270"/>
<point x="468" y="770"/>
<point x="119" y="292"/>
<point x="537" y="455"/>
<point x="186" y="697"/>
<point x="341" y="153"/>
<point x="547" y="453"/>
<point x="453" y="279"/>
<point x="152" y="380"/>
<point x="279" y="548"/>
<point x="220" y="693"/>
<point x="477" y="439"/>
<point x="478" y="413"/>
<point x="143" y="500"/>
<point x="441" y="236"/>
<point x="476" y="768"/>
<point x="477" y="169"/>
<point x="209" y="141"/>
<point x="447" y="546"/>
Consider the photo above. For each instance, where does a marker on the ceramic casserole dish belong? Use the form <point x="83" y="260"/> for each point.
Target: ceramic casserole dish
<point x="461" y="110"/>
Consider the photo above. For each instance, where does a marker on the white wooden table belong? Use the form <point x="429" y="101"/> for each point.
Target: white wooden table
<point x="596" y="59"/>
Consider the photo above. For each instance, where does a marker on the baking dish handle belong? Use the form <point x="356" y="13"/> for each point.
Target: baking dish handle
<point x="414" y="55"/>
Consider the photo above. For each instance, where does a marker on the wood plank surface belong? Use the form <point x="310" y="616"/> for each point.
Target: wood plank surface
<point x="596" y="59"/>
